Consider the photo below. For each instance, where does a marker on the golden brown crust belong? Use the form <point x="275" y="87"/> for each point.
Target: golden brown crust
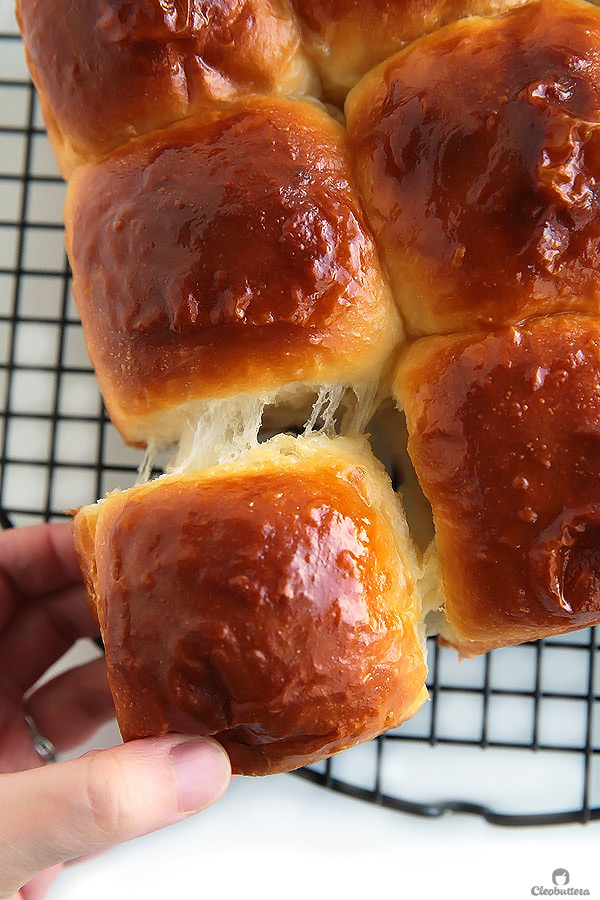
<point x="221" y="250"/>
<point x="270" y="604"/>
<point x="226" y="255"/>
<point x="108" y="71"/>
<point x="84" y="536"/>
<point x="504" y="433"/>
<point x="477" y="151"/>
<point x="346" y="38"/>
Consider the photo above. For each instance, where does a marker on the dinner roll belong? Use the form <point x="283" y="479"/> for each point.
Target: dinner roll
<point x="108" y="71"/>
<point x="477" y="151"/>
<point x="405" y="274"/>
<point x="270" y="603"/>
<point x="346" y="38"/>
<point x="504" y="435"/>
<point x="226" y="255"/>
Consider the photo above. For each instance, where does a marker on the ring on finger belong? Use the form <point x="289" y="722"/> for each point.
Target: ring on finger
<point x="43" y="746"/>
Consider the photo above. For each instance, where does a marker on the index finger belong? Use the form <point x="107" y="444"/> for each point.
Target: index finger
<point x="35" y="560"/>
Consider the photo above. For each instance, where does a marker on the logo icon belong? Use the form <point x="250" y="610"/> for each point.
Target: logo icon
<point x="560" y="877"/>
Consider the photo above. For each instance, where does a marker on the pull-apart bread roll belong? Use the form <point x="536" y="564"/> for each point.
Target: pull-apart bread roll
<point x="504" y="434"/>
<point x="237" y="252"/>
<point x="477" y="151"/>
<point x="108" y="71"/>
<point x="269" y="602"/>
<point x="226" y="255"/>
<point x="346" y="38"/>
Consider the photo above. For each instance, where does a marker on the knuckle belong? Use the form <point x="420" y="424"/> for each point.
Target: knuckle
<point x="107" y="794"/>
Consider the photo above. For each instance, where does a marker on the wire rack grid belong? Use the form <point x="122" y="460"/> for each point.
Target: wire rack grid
<point x="512" y="736"/>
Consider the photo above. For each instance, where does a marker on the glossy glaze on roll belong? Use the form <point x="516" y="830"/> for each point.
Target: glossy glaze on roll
<point x="504" y="434"/>
<point x="226" y="255"/>
<point x="238" y="246"/>
<point x="346" y="38"/>
<point x="477" y="151"/>
<point x="108" y="70"/>
<point x="294" y="629"/>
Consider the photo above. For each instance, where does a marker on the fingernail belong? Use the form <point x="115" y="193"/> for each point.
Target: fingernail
<point x="202" y="773"/>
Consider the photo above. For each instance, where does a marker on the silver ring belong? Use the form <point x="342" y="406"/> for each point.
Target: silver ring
<point x="43" y="746"/>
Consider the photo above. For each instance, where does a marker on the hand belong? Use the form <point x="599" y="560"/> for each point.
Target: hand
<point x="60" y="812"/>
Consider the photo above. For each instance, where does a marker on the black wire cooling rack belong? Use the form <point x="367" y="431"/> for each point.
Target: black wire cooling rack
<point x="512" y="736"/>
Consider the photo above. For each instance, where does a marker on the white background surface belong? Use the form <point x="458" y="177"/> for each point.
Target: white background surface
<point x="281" y="837"/>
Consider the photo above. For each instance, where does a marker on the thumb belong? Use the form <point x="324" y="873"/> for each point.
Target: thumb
<point x="57" y="813"/>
